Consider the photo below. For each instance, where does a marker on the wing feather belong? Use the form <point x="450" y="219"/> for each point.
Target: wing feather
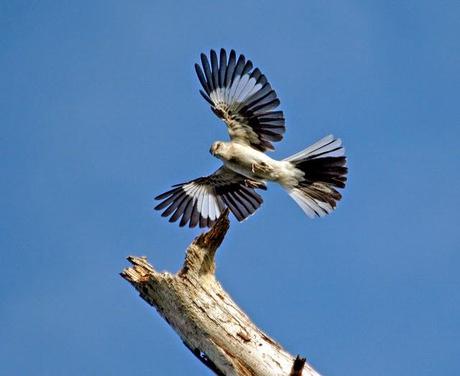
<point x="214" y="69"/>
<point x="207" y="72"/>
<point x="200" y="202"/>
<point x="222" y="67"/>
<point x="230" y="68"/>
<point x="242" y="97"/>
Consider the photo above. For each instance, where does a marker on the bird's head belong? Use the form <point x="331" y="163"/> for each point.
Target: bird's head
<point x="217" y="148"/>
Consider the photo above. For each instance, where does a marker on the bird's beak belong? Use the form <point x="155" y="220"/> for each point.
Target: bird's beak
<point x="211" y="150"/>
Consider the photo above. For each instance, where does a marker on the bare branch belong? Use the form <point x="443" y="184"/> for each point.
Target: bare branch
<point x="200" y="254"/>
<point x="206" y="318"/>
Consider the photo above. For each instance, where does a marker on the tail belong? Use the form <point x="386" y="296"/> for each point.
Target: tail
<point x="322" y="169"/>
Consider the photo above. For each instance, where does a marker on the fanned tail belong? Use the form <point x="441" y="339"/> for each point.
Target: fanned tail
<point x="323" y="165"/>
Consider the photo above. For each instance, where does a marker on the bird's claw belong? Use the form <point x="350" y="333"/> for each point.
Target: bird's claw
<point x="260" y="168"/>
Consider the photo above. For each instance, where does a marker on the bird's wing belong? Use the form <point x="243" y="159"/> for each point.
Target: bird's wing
<point x="203" y="200"/>
<point x="242" y="97"/>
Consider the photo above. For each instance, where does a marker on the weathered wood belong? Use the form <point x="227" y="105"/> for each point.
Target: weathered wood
<point x="208" y="321"/>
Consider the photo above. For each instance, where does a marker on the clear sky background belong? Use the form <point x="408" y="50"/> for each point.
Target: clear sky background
<point x="100" y="112"/>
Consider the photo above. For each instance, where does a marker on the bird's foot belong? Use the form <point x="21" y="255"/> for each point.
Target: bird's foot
<point x="255" y="184"/>
<point x="261" y="168"/>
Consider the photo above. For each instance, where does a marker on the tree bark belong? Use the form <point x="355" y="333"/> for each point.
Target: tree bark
<point x="206" y="318"/>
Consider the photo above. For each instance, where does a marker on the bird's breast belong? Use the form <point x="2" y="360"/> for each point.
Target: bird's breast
<point x="250" y="162"/>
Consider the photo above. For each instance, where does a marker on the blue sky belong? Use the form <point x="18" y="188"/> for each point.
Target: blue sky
<point x="100" y="111"/>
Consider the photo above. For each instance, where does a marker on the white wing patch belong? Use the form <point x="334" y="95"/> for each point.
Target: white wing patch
<point x="202" y="201"/>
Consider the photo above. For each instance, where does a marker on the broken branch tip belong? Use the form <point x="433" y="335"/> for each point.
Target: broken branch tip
<point x="298" y="365"/>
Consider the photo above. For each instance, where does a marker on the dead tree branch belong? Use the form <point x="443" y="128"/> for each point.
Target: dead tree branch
<point x="206" y="318"/>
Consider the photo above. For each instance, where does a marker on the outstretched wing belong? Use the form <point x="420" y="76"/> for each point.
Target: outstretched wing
<point x="242" y="97"/>
<point x="203" y="200"/>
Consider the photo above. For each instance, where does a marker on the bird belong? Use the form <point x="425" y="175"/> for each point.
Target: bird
<point x="240" y="95"/>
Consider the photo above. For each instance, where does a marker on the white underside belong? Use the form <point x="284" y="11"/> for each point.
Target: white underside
<point x="249" y="162"/>
<point x="242" y="159"/>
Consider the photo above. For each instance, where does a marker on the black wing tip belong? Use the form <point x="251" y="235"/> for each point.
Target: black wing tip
<point x="198" y="69"/>
<point x="160" y="206"/>
<point x="166" y="194"/>
<point x="206" y="97"/>
<point x="223" y="52"/>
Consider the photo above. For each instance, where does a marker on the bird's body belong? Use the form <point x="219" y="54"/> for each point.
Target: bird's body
<point x="255" y="165"/>
<point x="242" y="97"/>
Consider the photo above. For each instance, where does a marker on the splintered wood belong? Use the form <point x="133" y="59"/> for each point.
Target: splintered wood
<point x="206" y="318"/>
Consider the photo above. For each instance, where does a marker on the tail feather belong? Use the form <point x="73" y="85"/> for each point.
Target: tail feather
<point x="323" y="167"/>
<point x="330" y="170"/>
<point x="328" y="144"/>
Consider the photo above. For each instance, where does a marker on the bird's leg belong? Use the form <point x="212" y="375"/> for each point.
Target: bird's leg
<point x="261" y="168"/>
<point x="255" y="184"/>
